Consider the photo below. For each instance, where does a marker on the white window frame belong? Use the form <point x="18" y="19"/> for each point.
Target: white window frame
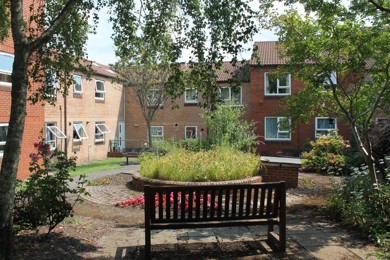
<point x="317" y="129"/>
<point x="102" y="129"/>
<point x="154" y="136"/>
<point x="196" y="132"/>
<point x="6" y="72"/>
<point x="74" y="84"/>
<point x="279" y="119"/>
<point x="98" y="91"/>
<point x="278" y="87"/>
<point x="80" y="138"/>
<point x="3" y="142"/>
<point x="230" y="98"/>
<point x="187" y="100"/>
<point x="57" y="133"/>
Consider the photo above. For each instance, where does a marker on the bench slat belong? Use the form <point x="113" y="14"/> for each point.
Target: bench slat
<point x="217" y="205"/>
<point x="227" y="203"/>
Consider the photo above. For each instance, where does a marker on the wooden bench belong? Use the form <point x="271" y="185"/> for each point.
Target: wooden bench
<point x="217" y="206"/>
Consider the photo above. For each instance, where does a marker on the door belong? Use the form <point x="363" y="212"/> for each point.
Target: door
<point x="121" y="136"/>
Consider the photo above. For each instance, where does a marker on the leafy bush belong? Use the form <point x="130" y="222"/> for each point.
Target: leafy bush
<point x="358" y="203"/>
<point x="41" y="199"/>
<point x="326" y="154"/>
<point x="214" y="165"/>
<point x="226" y="128"/>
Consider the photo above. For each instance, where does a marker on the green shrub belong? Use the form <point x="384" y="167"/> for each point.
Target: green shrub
<point x="41" y="199"/>
<point x="213" y="165"/>
<point x="366" y="207"/>
<point x="326" y="154"/>
<point x="227" y="128"/>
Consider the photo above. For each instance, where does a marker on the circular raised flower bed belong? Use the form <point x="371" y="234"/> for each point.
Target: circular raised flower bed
<point x="139" y="182"/>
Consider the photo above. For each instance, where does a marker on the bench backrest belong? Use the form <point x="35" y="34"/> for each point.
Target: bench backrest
<point x="167" y="204"/>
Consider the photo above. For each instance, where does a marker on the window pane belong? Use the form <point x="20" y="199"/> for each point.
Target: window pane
<point x="191" y="95"/>
<point x="77" y="83"/>
<point x="225" y="94"/>
<point x="79" y="132"/>
<point x="3" y="132"/>
<point x="99" y="86"/>
<point x="236" y="95"/>
<point x="284" y="80"/>
<point x="191" y="132"/>
<point x="271" y="130"/>
<point x="102" y="128"/>
<point x="6" y="63"/>
<point x="271" y="84"/>
<point x="3" y="136"/>
<point x="4" y="77"/>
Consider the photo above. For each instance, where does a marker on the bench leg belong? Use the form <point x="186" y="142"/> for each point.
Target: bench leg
<point x="147" y="243"/>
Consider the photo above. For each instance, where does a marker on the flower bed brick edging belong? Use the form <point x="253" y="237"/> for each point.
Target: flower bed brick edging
<point x="139" y="182"/>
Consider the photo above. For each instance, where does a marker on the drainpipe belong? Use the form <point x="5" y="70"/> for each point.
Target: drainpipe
<point x="65" y="123"/>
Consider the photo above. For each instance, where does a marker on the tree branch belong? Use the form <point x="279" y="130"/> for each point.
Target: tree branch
<point x="379" y="7"/>
<point x="57" y="23"/>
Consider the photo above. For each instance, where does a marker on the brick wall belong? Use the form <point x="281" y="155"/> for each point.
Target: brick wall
<point x="34" y="117"/>
<point x="265" y="106"/>
<point x="174" y="121"/>
<point x="85" y="109"/>
<point x="280" y="172"/>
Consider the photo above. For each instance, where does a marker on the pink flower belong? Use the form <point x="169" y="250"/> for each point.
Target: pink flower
<point x="34" y="157"/>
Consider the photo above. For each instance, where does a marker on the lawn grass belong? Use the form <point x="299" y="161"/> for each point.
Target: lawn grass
<point x="106" y="164"/>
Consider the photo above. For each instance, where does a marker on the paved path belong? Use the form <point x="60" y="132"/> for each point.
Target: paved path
<point x="307" y="238"/>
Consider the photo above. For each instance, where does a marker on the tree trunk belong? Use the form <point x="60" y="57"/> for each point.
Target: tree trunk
<point x="9" y="166"/>
<point x="150" y="141"/>
<point x="12" y="149"/>
<point x="365" y="149"/>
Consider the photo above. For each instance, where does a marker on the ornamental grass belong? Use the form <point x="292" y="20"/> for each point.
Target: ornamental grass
<point x="218" y="164"/>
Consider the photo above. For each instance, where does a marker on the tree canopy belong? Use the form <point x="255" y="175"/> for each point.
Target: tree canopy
<point x="209" y="30"/>
<point x="49" y="42"/>
<point x="343" y="56"/>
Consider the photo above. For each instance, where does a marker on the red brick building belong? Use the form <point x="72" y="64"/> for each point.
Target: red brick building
<point x="84" y="122"/>
<point x="267" y="93"/>
<point x="186" y="122"/>
<point x="35" y="113"/>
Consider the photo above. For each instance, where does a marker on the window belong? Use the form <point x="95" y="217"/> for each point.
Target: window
<point x="3" y="137"/>
<point x="154" y="98"/>
<point x="324" y="125"/>
<point x="50" y="84"/>
<point x="52" y="133"/>
<point x="100" y="130"/>
<point x="277" y="128"/>
<point x="191" y="96"/>
<point x="157" y="133"/>
<point x="382" y="121"/>
<point x="191" y="132"/>
<point x="277" y="84"/>
<point x="326" y="80"/>
<point x="79" y="132"/>
<point x="6" y="63"/>
<point x="99" y="90"/>
<point x="231" y="95"/>
<point x="77" y="87"/>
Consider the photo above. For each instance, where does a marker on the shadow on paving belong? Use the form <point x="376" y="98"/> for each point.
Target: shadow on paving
<point x="33" y="247"/>
<point x="226" y="250"/>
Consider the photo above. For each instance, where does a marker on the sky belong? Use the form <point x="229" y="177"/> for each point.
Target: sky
<point x="100" y="46"/>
